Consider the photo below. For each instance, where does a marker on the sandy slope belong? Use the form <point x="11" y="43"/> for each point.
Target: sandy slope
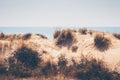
<point x="85" y="45"/>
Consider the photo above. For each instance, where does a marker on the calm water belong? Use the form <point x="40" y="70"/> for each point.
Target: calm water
<point x="48" y="31"/>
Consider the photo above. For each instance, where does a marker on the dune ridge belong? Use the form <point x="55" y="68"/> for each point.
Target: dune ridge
<point x="69" y="47"/>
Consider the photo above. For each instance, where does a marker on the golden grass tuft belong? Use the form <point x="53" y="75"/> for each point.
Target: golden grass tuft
<point x="2" y="35"/>
<point x="56" y="34"/>
<point x="42" y="36"/>
<point x="117" y="36"/>
<point x="90" y="32"/>
<point x="86" y="69"/>
<point x="65" y="38"/>
<point x="101" y="42"/>
<point x="1" y="45"/>
<point x="83" y="30"/>
<point x="74" y="48"/>
<point x="23" y="62"/>
<point x="3" y="66"/>
<point x="27" y="36"/>
<point x="94" y="70"/>
<point x="62" y="64"/>
<point x="27" y="56"/>
<point x="49" y="70"/>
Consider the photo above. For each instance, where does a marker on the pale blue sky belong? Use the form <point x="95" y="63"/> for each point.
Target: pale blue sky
<point x="59" y="12"/>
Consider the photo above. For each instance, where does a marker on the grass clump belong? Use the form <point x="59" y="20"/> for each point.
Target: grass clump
<point x="42" y="36"/>
<point x="74" y="48"/>
<point x="56" y="34"/>
<point x="18" y="70"/>
<point x="1" y="45"/>
<point x="24" y="61"/>
<point x="3" y="68"/>
<point x="101" y="43"/>
<point x="83" y="30"/>
<point x="117" y="36"/>
<point x="90" y="32"/>
<point x="49" y="70"/>
<point x="94" y="70"/>
<point x="65" y="38"/>
<point x="27" y="36"/>
<point x="27" y="56"/>
<point x="62" y="65"/>
<point x="2" y="35"/>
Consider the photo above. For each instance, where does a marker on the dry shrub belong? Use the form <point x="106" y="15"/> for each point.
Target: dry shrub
<point x="74" y="48"/>
<point x="24" y="61"/>
<point x="101" y="43"/>
<point x="62" y="65"/>
<point x="18" y="69"/>
<point x="1" y="45"/>
<point x="83" y="30"/>
<point x="90" y="32"/>
<point x="6" y="37"/>
<point x="19" y="36"/>
<point x="2" y="35"/>
<point x="11" y="37"/>
<point x="3" y="67"/>
<point x="44" y="52"/>
<point x="56" y="34"/>
<point x="49" y="70"/>
<point x="117" y="36"/>
<point x="42" y="36"/>
<point x="4" y="46"/>
<point x="28" y="57"/>
<point x="3" y="70"/>
<point x="74" y="30"/>
<point x="66" y="38"/>
<point x="95" y="70"/>
<point x="27" y="36"/>
<point x="86" y="69"/>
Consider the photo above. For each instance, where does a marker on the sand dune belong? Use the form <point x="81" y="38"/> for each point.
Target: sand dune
<point x="50" y="51"/>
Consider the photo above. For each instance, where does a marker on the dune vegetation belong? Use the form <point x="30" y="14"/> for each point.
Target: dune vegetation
<point x="71" y="55"/>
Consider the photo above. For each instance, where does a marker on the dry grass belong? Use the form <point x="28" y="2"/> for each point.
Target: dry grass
<point x="27" y="36"/>
<point x="62" y="64"/>
<point x="83" y="30"/>
<point x="74" y="48"/>
<point x="4" y="46"/>
<point x="42" y="36"/>
<point x="101" y="43"/>
<point x="86" y="69"/>
<point x="2" y="35"/>
<point x="56" y="34"/>
<point x="90" y="32"/>
<point x="27" y="57"/>
<point x="26" y="63"/>
<point x="94" y="70"/>
<point x="23" y="62"/>
<point x="3" y="67"/>
<point x="1" y="45"/>
<point x="65" y="38"/>
<point x="12" y="37"/>
<point x="49" y="70"/>
<point x="117" y="36"/>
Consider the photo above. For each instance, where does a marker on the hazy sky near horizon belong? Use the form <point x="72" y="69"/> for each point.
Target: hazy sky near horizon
<point x="59" y="12"/>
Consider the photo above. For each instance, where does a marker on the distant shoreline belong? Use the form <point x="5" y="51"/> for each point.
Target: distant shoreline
<point x="49" y="31"/>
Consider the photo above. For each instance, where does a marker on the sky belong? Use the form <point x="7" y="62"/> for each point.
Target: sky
<point x="59" y="13"/>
